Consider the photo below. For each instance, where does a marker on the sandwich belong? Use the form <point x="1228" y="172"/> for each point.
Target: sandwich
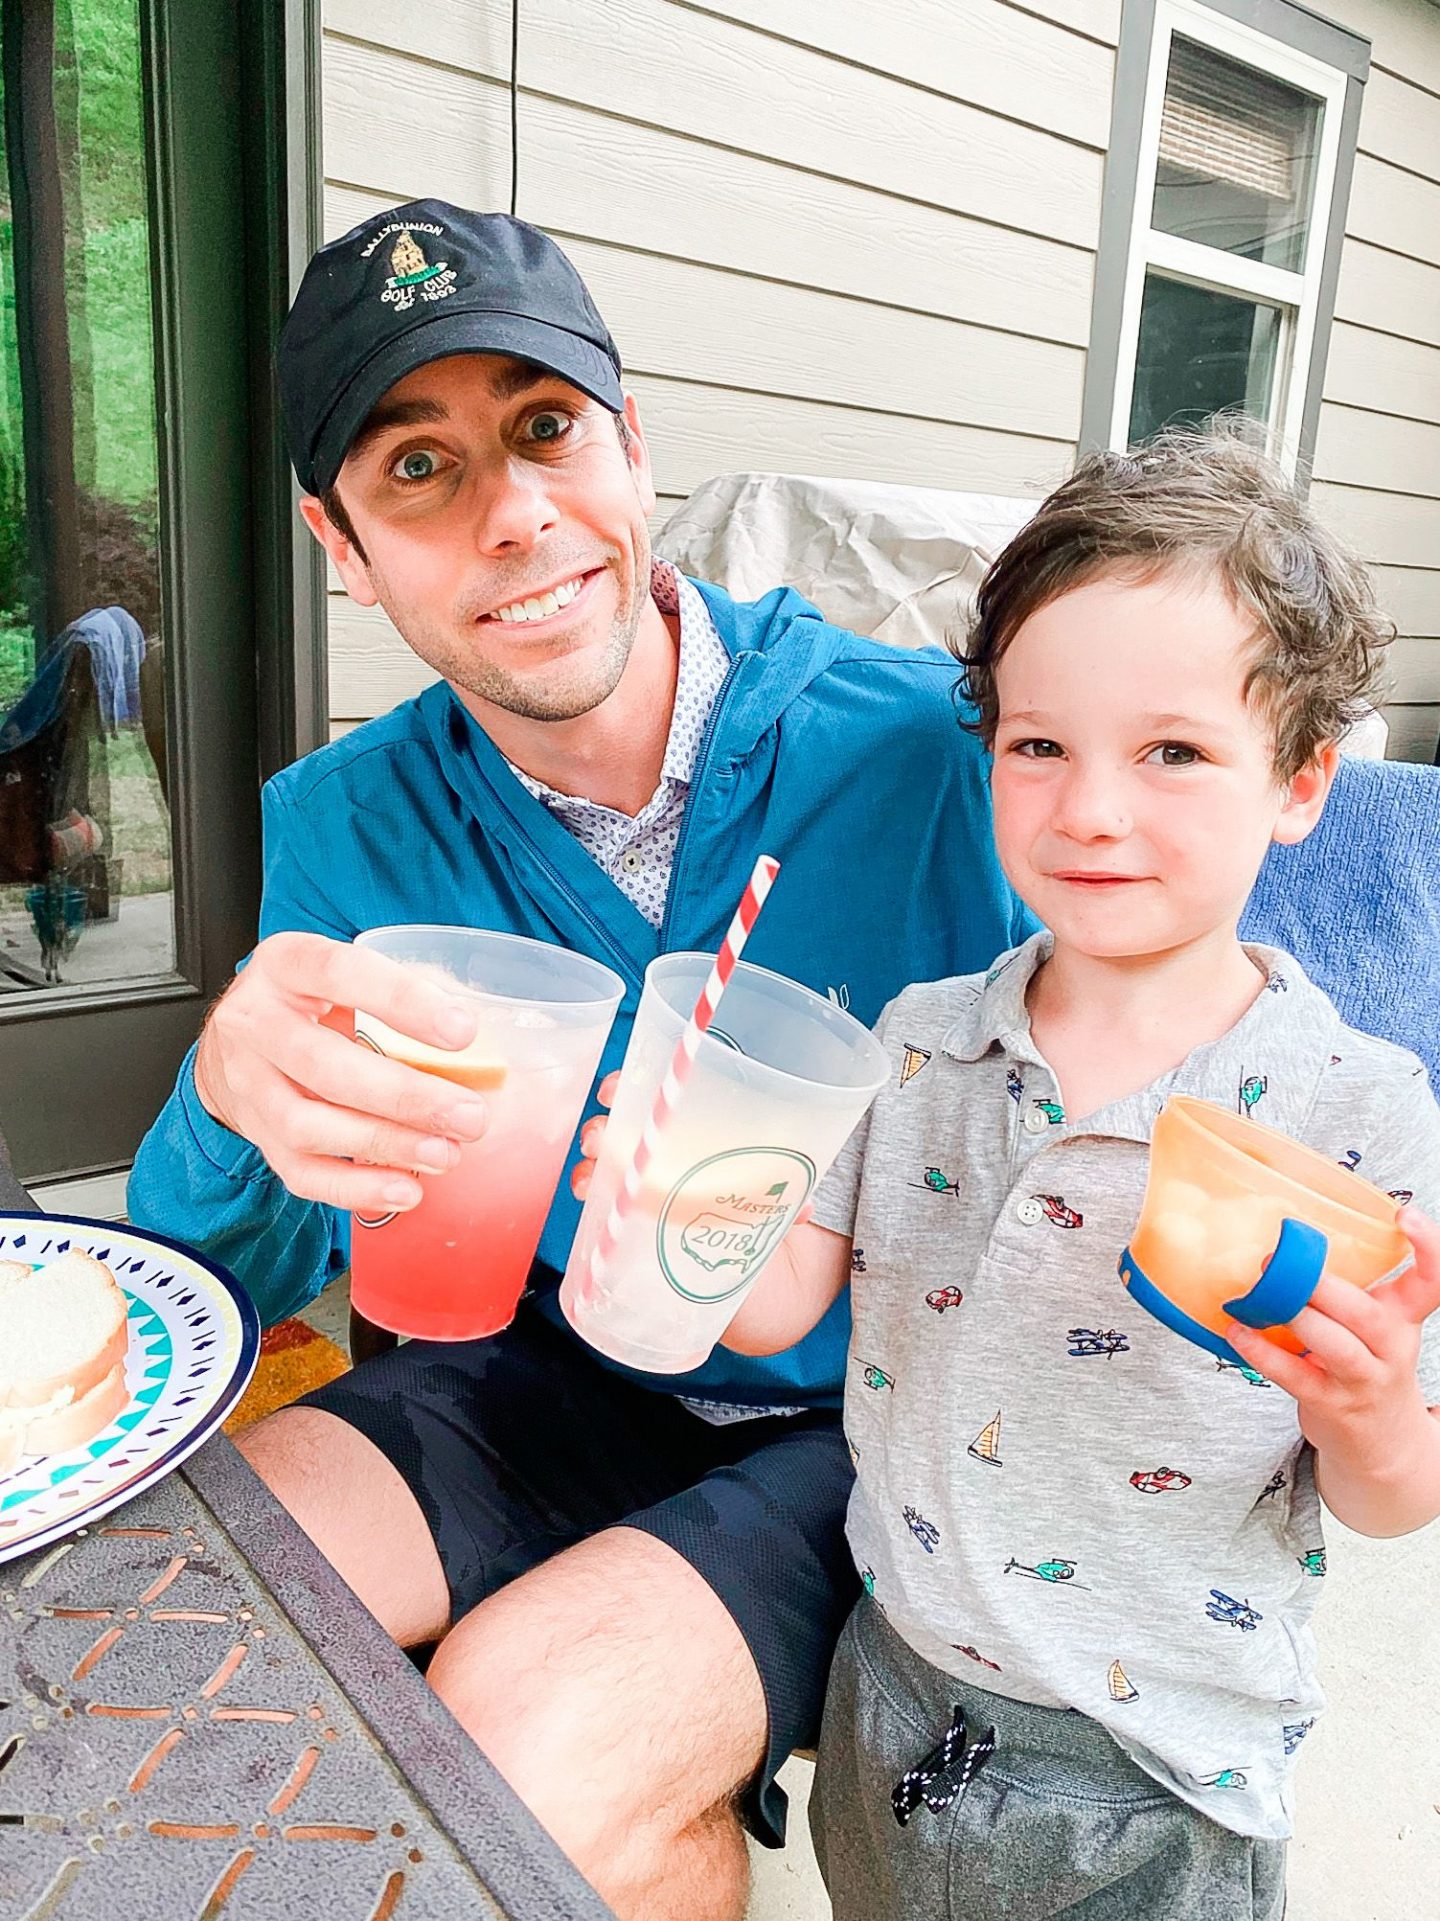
<point x="63" y="1338"/>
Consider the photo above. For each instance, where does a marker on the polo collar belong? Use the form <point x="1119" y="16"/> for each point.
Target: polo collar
<point x="1290" y="1020"/>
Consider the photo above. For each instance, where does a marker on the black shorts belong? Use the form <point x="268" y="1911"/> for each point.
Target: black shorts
<point x="522" y="1445"/>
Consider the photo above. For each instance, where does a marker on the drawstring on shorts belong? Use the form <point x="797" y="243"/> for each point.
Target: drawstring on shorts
<point x="943" y="1775"/>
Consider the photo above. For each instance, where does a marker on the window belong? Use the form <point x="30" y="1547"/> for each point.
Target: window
<point x="1230" y="163"/>
<point x="151" y="153"/>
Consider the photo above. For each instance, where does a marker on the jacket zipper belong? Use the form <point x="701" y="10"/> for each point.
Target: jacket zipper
<point x="626" y="961"/>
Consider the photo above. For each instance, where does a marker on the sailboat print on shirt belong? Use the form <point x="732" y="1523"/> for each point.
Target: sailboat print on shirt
<point x="914" y="1059"/>
<point x="1119" y="1684"/>
<point x="986" y="1445"/>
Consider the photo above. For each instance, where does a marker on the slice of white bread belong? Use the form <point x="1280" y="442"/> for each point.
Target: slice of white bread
<point x="63" y="1337"/>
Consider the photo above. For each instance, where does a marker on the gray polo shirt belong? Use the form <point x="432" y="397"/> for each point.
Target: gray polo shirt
<point x="1057" y="1497"/>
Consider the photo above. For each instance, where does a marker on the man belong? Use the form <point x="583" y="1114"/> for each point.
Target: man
<point x="641" y="1591"/>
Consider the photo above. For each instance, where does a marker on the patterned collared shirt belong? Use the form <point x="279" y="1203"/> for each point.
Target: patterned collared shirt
<point x="638" y="851"/>
<point x="1057" y="1498"/>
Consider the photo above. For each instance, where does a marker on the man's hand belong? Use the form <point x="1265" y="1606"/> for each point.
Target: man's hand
<point x="1359" y="1399"/>
<point x="278" y="1064"/>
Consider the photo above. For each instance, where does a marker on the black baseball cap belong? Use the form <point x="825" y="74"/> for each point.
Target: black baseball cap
<point x="419" y="283"/>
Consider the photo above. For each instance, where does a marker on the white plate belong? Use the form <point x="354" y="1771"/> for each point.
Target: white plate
<point x="194" y="1341"/>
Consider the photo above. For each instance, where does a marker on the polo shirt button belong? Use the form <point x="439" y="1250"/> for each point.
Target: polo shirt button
<point x="1029" y="1211"/>
<point x="632" y="861"/>
<point x="1035" y="1121"/>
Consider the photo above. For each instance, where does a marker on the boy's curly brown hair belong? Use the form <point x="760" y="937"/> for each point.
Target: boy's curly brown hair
<point x="1210" y="502"/>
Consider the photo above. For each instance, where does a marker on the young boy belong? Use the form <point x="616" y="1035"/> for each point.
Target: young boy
<point x="1090" y="1551"/>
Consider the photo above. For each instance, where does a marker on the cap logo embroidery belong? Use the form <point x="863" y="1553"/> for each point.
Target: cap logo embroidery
<point x="414" y="274"/>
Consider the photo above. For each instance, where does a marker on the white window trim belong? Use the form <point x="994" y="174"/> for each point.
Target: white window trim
<point x="1297" y="295"/>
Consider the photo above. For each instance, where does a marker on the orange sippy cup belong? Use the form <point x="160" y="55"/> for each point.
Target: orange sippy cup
<point x="1239" y="1223"/>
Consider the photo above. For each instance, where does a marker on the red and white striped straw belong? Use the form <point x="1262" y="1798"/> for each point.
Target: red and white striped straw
<point x="678" y="1072"/>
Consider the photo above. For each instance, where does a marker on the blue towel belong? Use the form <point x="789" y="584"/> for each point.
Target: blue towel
<point x="117" y="646"/>
<point x="1358" y="903"/>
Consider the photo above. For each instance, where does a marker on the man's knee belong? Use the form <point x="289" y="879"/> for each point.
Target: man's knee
<point x="356" y="1507"/>
<point x="612" y="1690"/>
<point x="578" y="1758"/>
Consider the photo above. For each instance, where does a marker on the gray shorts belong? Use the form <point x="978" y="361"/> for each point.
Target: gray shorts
<point x="1057" y="1822"/>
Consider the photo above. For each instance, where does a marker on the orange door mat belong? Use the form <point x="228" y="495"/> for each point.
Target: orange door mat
<point x="294" y="1360"/>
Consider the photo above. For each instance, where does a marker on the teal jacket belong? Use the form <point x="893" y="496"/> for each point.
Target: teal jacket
<point x="841" y="756"/>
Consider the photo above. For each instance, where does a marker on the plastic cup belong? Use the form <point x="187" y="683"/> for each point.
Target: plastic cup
<point x="1239" y="1222"/>
<point x="777" y="1086"/>
<point x="453" y="1268"/>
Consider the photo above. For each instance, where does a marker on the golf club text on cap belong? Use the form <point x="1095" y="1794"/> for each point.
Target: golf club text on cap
<point x="420" y="283"/>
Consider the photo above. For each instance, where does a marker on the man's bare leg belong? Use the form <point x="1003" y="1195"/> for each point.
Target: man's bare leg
<point x="614" y="1691"/>
<point x="611" y="1686"/>
<point x="357" y="1509"/>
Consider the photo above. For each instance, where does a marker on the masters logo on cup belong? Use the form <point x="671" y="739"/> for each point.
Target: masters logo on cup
<point x="723" y="1219"/>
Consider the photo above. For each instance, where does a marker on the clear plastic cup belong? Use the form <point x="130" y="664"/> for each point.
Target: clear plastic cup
<point x="777" y="1086"/>
<point x="1217" y="1238"/>
<point x="453" y="1268"/>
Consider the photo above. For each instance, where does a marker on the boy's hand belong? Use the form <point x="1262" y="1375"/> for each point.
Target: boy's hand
<point x="591" y="1136"/>
<point x="1358" y="1395"/>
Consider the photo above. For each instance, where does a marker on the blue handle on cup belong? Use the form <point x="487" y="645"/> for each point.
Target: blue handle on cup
<point x="1287" y="1280"/>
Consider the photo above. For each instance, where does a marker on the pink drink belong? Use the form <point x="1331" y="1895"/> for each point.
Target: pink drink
<point x="454" y="1268"/>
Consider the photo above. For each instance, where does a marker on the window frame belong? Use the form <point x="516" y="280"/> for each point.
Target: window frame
<point x="1284" y="42"/>
<point x="231" y="105"/>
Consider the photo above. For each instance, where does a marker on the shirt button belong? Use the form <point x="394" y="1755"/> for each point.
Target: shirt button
<point x="631" y="861"/>
<point x="1029" y="1211"/>
<point x="1035" y="1121"/>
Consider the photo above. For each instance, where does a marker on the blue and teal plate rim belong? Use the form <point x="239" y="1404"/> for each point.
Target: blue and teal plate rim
<point x="218" y="1402"/>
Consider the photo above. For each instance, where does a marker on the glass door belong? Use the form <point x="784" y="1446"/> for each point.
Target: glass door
<point x="87" y="895"/>
<point x="131" y="437"/>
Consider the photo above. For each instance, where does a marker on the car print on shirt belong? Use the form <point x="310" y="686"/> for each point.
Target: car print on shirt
<point x="1402" y="1194"/>
<point x="1057" y="1573"/>
<point x="1277" y="984"/>
<point x="942" y="1297"/>
<point x="1295" y="1733"/>
<point x="857" y="1261"/>
<point x="1273" y="1485"/>
<point x="1312" y="1561"/>
<point x="974" y="1654"/>
<point x="1159" y="1480"/>
<point x="1350" y="1159"/>
<point x="1225" y="1778"/>
<point x="1232" y="1613"/>
<point x="1086" y="1342"/>
<point x="1052" y="1110"/>
<point x="925" y="1532"/>
<point x="867" y="1581"/>
<point x="1057" y="1212"/>
<point x="1014" y="1085"/>
<point x="876" y="1377"/>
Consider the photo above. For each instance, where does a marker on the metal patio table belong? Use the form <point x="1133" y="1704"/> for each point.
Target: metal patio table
<point x="200" y="1722"/>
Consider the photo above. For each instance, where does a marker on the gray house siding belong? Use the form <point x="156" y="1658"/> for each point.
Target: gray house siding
<point x="837" y="239"/>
